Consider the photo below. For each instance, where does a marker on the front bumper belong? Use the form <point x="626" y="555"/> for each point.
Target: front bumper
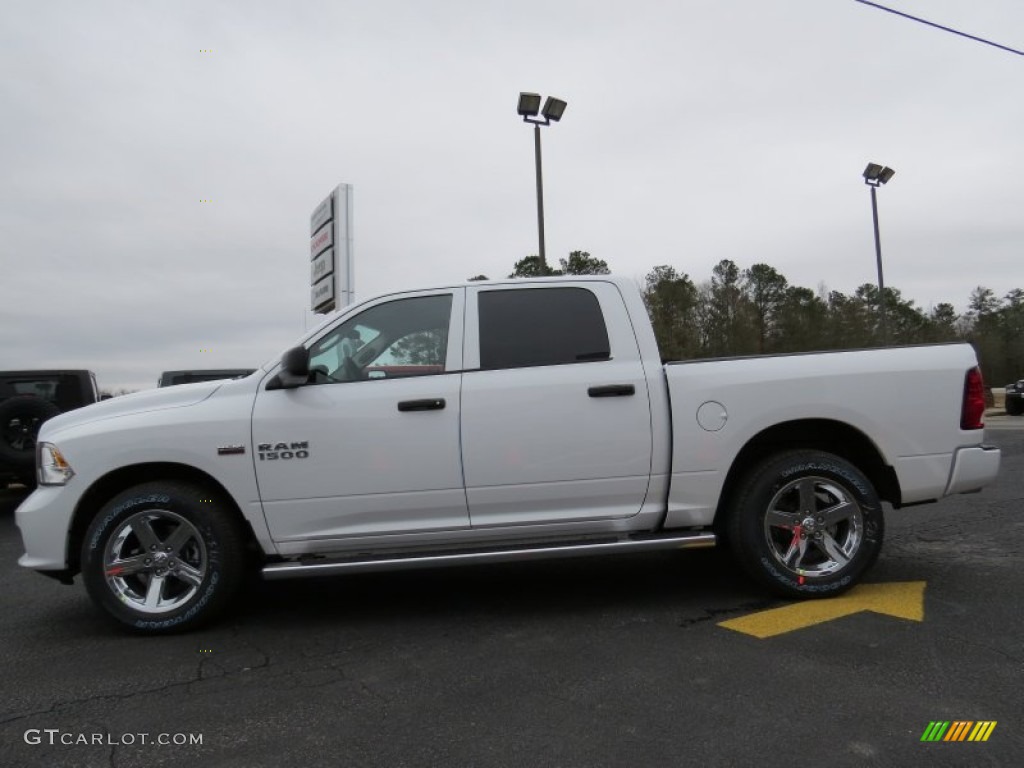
<point x="44" y="520"/>
<point x="973" y="469"/>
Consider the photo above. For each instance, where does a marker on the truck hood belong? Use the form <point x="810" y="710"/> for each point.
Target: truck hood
<point x="179" y="396"/>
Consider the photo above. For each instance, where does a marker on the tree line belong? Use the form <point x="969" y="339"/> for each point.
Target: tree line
<point x="757" y="311"/>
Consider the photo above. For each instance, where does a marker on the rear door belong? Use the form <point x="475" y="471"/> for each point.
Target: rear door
<point x="556" y="419"/>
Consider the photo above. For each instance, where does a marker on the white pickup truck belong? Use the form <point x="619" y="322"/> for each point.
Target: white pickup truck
<point x="497" y="421"/>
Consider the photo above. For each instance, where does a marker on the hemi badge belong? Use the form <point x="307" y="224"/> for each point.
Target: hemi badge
<point x="228" y="450"/>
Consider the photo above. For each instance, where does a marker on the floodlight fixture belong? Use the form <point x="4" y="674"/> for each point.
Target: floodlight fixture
<point x="876" y="174"/>
<point x="553" y="109"/>
<point x="529" y="104"/>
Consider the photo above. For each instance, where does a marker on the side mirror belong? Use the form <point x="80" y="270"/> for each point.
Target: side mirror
<point x="294" y="370"/>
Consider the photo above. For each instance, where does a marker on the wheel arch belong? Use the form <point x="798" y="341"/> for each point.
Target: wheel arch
<point x="108" y="486"/>
<point x="827" y="435"/>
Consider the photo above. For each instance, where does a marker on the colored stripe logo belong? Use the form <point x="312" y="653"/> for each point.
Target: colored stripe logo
<point x="958" y="730"/>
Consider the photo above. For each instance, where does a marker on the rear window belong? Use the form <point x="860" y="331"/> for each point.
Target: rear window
<point x="541" y="326"/>
<point x="61" y="390"/>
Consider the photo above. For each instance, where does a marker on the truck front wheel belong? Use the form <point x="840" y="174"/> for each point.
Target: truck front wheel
<point x="806" y="524"/>
<point x="163" y="557"/>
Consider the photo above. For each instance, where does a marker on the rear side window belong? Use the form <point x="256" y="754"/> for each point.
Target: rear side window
<point x="541" y="326"/>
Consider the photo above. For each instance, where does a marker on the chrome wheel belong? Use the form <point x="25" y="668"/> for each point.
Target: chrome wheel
<point x="155" y="561"/>
<point x="164" y="556"/>
<point x="813" y="527"/>
<point x="805" y="523"/>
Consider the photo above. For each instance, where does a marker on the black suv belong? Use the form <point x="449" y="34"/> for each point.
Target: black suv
<point x="27" y="399"/>
<point x="1015" y="398"/>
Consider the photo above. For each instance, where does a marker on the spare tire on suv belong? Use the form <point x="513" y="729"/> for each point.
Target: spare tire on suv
<point x="20" y="419"/>
<point x="27" y="399"/>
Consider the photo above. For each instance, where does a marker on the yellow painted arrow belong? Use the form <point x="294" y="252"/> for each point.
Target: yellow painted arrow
<point x="904" y="600"/>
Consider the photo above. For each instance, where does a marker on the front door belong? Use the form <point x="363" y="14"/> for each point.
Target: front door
<point x="371" y="445"/>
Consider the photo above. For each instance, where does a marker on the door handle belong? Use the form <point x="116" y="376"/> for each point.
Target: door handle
<point x="432" y="404"/>
<point x="612" y="390"/>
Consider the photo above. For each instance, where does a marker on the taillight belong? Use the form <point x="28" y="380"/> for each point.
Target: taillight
<point x="974" y="401"/>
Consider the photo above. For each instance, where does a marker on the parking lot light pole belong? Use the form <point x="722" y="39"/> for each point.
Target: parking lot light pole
<point x="529" y="106"/>
<point x="874" y="176"/>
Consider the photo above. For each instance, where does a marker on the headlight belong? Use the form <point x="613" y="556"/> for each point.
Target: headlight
<point x="51" y="466"/>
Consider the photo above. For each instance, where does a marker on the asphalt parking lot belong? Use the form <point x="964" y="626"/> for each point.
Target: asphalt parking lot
<point x="606" y="662"/>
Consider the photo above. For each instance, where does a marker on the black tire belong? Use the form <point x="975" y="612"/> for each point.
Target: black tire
<point x="806" y="524"/>
<point x="1014" y="407"/>
<point x="20" y="420"/>
<point x="163" y="557"/>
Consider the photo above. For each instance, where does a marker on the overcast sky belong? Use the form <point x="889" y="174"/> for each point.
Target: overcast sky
<point x="695" y="131"/>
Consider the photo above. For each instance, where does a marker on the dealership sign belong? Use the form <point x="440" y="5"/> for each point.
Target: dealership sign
<point x="330" y="251"/>
<point x="322" y="266"/>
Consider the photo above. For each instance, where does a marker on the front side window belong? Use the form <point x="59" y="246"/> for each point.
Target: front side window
<point x="406" y="337"/>
<point x="540" y="326"/>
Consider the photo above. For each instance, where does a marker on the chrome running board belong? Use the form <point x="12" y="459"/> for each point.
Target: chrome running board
<point x="325" y="567"/>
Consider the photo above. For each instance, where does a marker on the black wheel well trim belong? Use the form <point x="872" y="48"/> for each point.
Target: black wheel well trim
<point x="117" y="480"/>
<point x="828" y="435"/>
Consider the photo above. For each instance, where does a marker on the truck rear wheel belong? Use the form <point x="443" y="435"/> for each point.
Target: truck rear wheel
<point x="806" y="524"/>
<point x="163" y="557"/>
